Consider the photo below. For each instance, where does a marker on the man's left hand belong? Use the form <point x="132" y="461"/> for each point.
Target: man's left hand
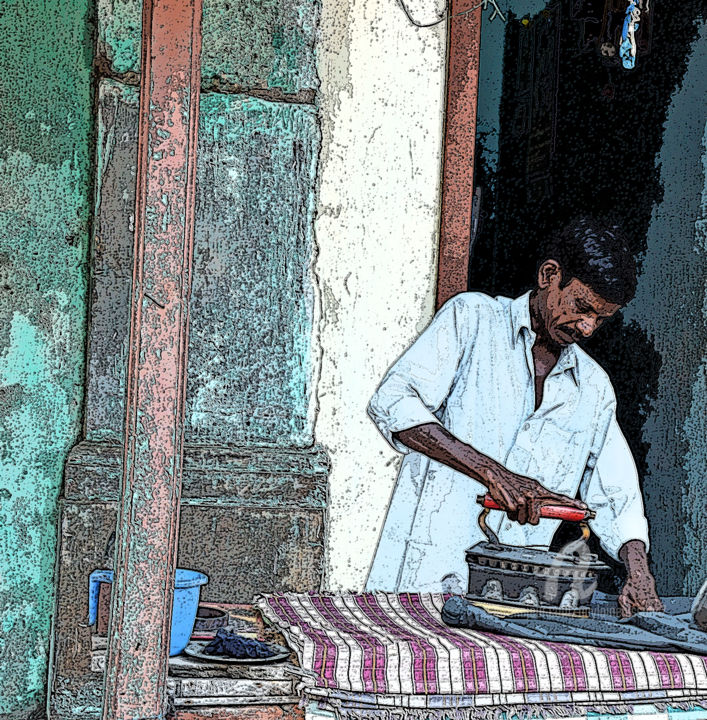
<point x="638" y="593"/>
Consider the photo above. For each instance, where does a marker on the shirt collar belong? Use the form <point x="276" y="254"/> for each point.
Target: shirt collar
<point x="520" y="316"/>
<point x="520" y="319"/>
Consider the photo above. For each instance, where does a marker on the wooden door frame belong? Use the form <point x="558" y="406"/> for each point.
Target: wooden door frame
<point x="148" y="512"/>
<point x="459" y="137"/>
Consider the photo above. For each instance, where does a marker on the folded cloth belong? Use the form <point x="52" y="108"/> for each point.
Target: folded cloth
<point x="642" y="631"/>
<point x="231" y="644"/>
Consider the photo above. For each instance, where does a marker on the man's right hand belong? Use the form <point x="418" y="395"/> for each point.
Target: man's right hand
<point x="522" y="497"/>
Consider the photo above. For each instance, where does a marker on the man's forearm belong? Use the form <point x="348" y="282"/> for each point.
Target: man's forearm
<point x="437" y="443"/>
<point x="634" y="556"/>
<point x="638" y="593"/>
<point x="521" y="497"/>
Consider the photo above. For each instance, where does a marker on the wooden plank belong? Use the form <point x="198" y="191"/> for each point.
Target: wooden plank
<point x="234" y="687"/>
<point x="257" y="712"/>
<point x="463" y="42"/>
<point x="148" y="523"/>
<point x="231" y="701"/>
<point x="184" y="666"/>
<point x="239" y="690"/>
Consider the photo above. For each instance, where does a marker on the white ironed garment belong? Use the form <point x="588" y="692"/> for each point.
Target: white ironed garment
<point x="472" y="371"/>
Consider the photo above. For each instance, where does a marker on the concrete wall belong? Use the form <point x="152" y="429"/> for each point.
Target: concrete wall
<point x="253" y="357"/>
<point x="45" y="127"/>
<point x="381" y="100"/>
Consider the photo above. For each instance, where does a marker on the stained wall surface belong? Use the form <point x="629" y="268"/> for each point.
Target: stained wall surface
<point x="249" y="376"/>
<point x="253" y="354"/>
<point x="381" y="101"/>
<point x="45" y="130"/>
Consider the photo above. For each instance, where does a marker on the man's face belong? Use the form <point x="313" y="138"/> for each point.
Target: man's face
<point x="573" y="312"/>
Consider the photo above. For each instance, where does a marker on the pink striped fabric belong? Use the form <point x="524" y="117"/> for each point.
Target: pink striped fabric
<point x="389" y="649"/>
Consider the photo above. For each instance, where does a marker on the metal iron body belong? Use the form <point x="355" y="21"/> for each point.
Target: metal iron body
<point x="507" y="578"/>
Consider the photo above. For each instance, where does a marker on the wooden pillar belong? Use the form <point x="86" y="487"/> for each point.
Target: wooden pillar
<point x="463" y="43"/>
<point x="148" y="519"/>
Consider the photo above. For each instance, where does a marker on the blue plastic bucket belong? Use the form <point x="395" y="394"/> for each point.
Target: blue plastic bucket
<point x="187" y="586"/>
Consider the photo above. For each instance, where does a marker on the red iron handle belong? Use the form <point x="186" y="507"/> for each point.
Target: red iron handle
<point x="554" y="512"/>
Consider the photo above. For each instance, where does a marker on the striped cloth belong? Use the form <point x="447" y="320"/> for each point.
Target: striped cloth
<point x="377" y="652"/>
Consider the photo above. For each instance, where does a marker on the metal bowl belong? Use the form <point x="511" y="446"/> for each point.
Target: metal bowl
<point x="209" y="619"/>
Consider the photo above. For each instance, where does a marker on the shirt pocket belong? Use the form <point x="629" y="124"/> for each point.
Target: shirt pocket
<point x="556" y="460"/>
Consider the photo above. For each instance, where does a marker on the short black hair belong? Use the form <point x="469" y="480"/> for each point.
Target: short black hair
<point x="598" y="255"/>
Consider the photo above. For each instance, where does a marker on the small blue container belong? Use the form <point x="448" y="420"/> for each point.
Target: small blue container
<point x="187" y="586"/>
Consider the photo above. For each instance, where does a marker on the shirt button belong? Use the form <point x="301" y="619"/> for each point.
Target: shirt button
<point x="526" y="427"/>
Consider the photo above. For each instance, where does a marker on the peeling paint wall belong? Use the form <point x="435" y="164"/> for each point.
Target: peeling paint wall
<point x="246" y="44"/>
<point x="253" y="360"/>
<point x="45" y="128"/>
<point x="249" y="378"/>
<point x="381" y="99"/>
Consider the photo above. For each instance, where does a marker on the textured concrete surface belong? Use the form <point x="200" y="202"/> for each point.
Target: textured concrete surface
<point x="44" y="188"/>
<point x="251" y="365"/>
<point x="268" y="44"/>
<point x="382" y="83"/>
<point x="252" y="520"/>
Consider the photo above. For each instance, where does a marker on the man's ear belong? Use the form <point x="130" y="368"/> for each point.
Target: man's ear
<point x="550" y="272"/>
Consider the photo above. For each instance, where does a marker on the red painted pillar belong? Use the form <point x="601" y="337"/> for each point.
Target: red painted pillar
<point x="463" y="43"/>
<point x="148" y="519"/>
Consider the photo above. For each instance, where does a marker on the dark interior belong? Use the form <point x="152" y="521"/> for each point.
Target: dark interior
<point x="581" y="134"/>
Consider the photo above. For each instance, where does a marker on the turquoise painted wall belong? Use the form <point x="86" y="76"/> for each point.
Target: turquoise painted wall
<point x="45" y="133"/>
<point x="264" y="44"/>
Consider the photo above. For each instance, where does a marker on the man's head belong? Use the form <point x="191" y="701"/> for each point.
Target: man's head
<point x="587" y="274"/>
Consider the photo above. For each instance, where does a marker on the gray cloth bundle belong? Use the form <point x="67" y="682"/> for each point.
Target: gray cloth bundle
<point x="643" y="631"/>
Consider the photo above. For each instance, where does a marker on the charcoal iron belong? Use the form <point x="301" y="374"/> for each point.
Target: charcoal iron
<point x="506" y="580"/>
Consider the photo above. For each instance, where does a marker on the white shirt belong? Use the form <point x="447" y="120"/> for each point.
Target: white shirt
<point x="472" y="371"/>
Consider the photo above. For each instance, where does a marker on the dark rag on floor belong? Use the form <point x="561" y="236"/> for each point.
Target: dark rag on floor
<point x="643" y="631"/>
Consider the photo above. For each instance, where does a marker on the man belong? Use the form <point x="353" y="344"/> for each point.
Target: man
<point x="495" y="396"/>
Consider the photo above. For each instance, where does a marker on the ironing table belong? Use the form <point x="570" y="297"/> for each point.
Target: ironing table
<point x="384" y="656"/>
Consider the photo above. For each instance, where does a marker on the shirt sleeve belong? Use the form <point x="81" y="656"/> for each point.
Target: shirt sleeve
<point x="610" y="487"/>
<point x="420" y="380"/>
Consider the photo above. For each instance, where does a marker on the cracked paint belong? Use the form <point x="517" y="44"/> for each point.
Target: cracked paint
<point x="269" y="44"/>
